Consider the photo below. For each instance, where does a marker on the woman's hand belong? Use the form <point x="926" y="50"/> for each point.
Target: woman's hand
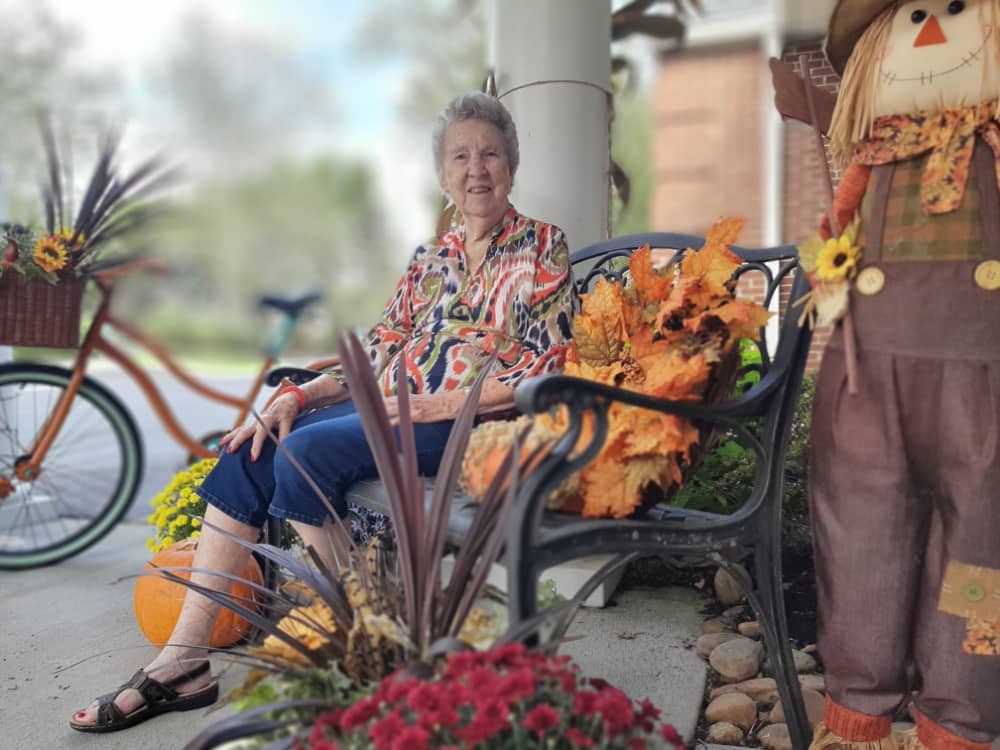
<point x="277" y="418"/>
<point x="430" y="407"/>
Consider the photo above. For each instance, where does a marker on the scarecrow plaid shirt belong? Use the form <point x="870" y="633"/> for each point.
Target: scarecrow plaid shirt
<point x="443" y="322"/>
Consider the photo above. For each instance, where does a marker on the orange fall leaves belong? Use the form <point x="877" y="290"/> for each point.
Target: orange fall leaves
<point x="661" y="335"/>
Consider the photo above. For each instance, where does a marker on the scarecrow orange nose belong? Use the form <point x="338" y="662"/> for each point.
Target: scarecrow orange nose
<point x="930" y="34"/>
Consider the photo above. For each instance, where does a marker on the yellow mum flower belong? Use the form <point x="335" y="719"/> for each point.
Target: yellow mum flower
<point x="66" y="235"/>
<point x="49" y="253"/>
<point x="181" y="520"/>
<point x="838" y="259"/>
<point x="196" y="522"/>
<point x="167" y="541"/>
<point x="195" y="534"/>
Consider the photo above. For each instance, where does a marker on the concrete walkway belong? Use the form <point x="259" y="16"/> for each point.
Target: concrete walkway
<point x="70" y="635"/>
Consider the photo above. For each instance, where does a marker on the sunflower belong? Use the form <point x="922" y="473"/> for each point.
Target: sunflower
<point x="50" y="253"/>
<point x="837" y="259"/>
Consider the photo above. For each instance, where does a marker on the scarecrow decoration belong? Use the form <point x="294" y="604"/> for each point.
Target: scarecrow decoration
<point x="905" y="470"/>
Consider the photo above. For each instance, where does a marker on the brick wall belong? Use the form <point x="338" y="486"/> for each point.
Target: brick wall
<point x="707" y="140"/>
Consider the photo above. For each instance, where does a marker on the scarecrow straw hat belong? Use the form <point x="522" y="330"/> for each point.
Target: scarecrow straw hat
<point x="849" y="20"/>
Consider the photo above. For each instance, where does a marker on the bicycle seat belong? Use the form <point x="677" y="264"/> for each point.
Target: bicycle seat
<point x="289" y="305"/>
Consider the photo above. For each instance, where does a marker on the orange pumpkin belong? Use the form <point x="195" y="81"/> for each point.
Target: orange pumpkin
<point x="157" y="600"/>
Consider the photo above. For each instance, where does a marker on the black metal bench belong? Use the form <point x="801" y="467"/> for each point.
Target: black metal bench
<point x="761" y="417"/>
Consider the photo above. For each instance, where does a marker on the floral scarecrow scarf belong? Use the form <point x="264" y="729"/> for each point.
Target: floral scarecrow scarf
<point x="949" y="134"/>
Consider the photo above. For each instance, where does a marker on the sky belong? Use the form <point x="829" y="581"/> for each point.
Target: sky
<point x="131" y="36"/>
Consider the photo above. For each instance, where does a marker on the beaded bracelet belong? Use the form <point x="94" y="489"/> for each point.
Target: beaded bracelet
<point x="299" y="395"/>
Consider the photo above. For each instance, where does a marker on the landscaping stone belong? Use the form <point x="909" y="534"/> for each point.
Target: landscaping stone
<point x="814" y="708"/>
<point x="717" y="625"/>
<point x="804" y="663"/>
<point x="727" y="590"/>
<point x="734" y="708"/>
<point x="815" y="682"/>
<point x="706" y="644"/>
<point x="724" y="733"/>
<point x="750" y="629"/>
<point x="736" y="660"/>
<point x="775" y="737"/>
<point x="761" y="689"/>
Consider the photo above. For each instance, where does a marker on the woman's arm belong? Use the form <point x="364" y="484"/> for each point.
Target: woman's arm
<point x="440" y="407"/>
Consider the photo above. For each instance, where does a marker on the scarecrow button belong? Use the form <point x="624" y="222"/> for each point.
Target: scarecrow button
<point x="871" y="280"/>
<point x="988" y="275"/>
<point x="973" y="592"/>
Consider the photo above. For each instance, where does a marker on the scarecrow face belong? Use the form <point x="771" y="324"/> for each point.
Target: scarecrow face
<point x="940" y="53"/>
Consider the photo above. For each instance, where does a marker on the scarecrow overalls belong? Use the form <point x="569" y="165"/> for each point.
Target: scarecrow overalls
<point x="905" y="475"/>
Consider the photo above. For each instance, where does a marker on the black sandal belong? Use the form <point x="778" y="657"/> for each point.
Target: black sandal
<point x="160" y="697"/>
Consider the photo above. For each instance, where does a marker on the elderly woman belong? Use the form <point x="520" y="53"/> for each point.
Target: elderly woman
<point x="497" y="282"/>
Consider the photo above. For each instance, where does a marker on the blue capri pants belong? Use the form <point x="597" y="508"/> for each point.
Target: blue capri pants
<point x="330" y="445"/>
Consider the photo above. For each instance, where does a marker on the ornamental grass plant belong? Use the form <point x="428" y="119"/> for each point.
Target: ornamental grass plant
<point x="384" y="607"/>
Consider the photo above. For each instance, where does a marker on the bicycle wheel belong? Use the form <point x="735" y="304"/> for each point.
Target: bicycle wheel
<point x="87" y="480"/>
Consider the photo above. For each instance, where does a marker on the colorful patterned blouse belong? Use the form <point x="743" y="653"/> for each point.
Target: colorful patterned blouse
<point x="443" y="322"/>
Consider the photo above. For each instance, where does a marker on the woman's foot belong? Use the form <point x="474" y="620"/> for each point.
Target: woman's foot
<point x="169" y="683"/>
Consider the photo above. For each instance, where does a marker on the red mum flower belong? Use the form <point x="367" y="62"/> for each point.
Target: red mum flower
<point x="444" y="716"/>
<point x="359" y="714"/>
<point x="598" y="684"/>
<point x="462" y="662"/>
<point x="397" y="690"/>
<point x="672" y="736"/>
<point x="411" y="738"/>
<point x="482" y="682"/>
<point x="325" y="745"/>
<point x="517" y="685"/>
<point x="506" y="654"/>
<point x="326" y="720"/>
<point x="637" y="743"/>
<point x="494" y="715"/>
<point x="541" y="719"/>
<point x="425" y="697"/>
<point x="585" y="703"/>
<point x="616" y="710"/>
<point x="578" y="739"/>
<point x="383" y="732"/>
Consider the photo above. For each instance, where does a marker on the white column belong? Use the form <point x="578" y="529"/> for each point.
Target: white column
<point x="552" y="62"/>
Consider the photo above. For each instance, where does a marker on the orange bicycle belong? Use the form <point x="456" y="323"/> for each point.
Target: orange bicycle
<point x="71" y="457"/>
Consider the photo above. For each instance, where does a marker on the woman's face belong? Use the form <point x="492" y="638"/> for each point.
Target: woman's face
<point x="940" y="53"/>
<point x="475" y="172"/>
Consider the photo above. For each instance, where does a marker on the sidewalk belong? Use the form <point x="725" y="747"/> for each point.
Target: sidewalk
<point x="70" y="635"/>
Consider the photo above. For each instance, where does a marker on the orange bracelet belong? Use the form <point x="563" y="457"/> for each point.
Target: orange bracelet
<point x="298" y="395"/>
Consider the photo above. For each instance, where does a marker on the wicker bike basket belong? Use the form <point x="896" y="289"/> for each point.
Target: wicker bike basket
<point x="34" y="312"/>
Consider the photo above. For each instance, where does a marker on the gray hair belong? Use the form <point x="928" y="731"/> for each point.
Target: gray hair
<point x="477" y="106"/>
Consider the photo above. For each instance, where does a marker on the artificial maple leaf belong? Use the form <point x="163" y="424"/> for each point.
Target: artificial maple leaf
<point x="611" y="489"/>
<point x="651" y="285"/>
<point x="689" y="294"/>
<point x="612" y="374"/>
<point x="744" y="319"/>
<point x="715" y="262"/>
<point x="674" y="376"/>
<point x="599" y="330"/>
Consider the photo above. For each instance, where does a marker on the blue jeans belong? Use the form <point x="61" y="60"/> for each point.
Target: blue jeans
<point x="331" y="447"/>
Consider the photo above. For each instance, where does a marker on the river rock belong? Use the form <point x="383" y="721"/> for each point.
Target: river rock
<point x="804" y="663"/>
<point x="815" y="682"/>
<point x="734" y="708"/>
<point x="706" y="644"/>
<point x="775" y="737"/>
<point x="814" y="708"/>
<point x="749" y="629"/>
<point x="724" y="733"/>
<point x="736" y="660"/>
<point x="717" y="625"/>
<point x="761" y="689"/>
<point x="727" y="590"/>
